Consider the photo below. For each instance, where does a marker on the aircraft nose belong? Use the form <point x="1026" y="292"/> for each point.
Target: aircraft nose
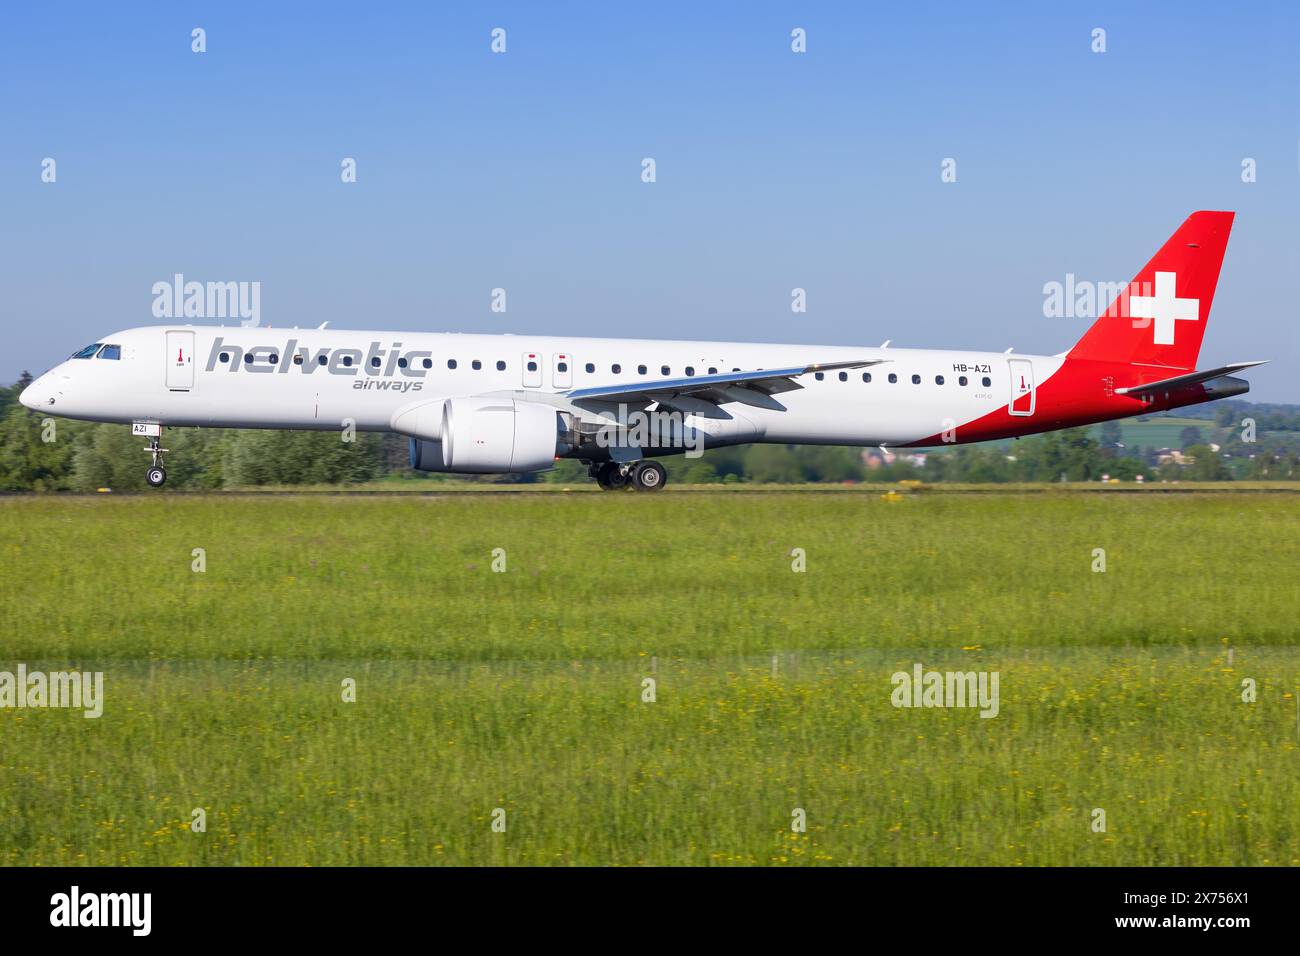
<point x="38" y="395"/>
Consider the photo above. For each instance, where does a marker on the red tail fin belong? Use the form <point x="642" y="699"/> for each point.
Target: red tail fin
<point x="1159" y="318"/>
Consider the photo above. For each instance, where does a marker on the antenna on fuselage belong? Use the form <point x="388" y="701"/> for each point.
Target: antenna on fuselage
<point x="885" y="344"/>
<point x="323" y="324"/>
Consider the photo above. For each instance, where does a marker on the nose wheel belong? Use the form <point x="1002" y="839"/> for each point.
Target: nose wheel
<point x="156" y="474"/>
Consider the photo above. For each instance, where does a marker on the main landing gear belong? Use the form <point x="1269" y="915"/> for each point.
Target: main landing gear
<point x="642" y="476"/>
<point x="156" y="474"/>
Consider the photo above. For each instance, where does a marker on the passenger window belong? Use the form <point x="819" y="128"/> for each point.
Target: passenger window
<point x="451" y="363"/>
<point x="428" y="363"/>
<point x="916" y="380"/>
<point x="987" y="381"/>
<point x="641" y="369"/>
<point x="297" y="360"/>
<point x="347" y="361"/>
<point x="690" y="370"/>
<point x="713" y="371"/>
<point x="322" y="360"/>
<point x="665" y="370"/>
<point x="820" y="376"/>
<point x="962" y="381"/>
<point x="476" y="365"/>
<point x="248" y="359"/>
<point x="616" y="368"/>
<point x="225" y="357"/>
<point x="374" y="361"/>
<point x="273" y="359"/>
<point x="113" y="352"/>
<point x="501" y="366"/>
<point x="866" y="376"/>
<point x="562" y="367"/>
<point x="590" y="367"/>
<point x="892" y="378"/>
<point x="938" y="380"/>
<point x="844" y="376"/>
<point x="532" y="366"/>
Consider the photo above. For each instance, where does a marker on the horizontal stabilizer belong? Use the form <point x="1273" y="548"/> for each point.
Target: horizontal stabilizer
<point x="1179" y="381"/>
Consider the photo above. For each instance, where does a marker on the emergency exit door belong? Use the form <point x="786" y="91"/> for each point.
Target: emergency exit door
<point x="532" y="365"/>
<point x="562" y="371"/>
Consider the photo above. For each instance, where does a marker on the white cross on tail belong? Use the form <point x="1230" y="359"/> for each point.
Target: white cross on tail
<point x="1164" y="307"/>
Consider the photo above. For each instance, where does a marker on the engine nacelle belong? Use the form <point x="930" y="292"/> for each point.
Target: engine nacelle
<point x="493" y="435"/>
<point x="422" y="420"/>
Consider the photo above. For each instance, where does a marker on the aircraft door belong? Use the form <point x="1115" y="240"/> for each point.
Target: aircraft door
<point x="532" y="365"/>
<point x="180" y="361"/>
<point x="562" y="375"/>
<point x="1022" y="388"/>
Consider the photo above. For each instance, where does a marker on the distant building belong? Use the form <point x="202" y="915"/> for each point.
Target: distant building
<point x="1165" y="456"/>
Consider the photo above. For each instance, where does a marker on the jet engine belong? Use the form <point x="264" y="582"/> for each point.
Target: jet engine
<point x="490" y="436"/>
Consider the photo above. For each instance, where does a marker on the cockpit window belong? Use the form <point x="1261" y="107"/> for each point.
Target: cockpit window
<point x="111" y="352"/>
<point x="88" y="352"/>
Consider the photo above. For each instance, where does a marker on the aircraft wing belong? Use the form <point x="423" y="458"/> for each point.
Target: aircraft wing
<point x="1191" y="378"/>
<point x="702" y="394"/>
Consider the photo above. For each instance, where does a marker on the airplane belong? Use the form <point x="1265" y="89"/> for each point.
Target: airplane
<point x="491" y="404"/>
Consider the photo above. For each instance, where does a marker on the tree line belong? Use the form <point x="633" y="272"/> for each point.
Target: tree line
<point x="40" y="453"/>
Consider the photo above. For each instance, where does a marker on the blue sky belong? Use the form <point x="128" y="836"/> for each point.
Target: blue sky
<point x="775" y="170"/>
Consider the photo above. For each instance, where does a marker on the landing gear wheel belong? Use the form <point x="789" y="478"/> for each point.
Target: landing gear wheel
<point x="612" y="477"/>
<point x="649" y="476"/>
<point x="156" y="474"/>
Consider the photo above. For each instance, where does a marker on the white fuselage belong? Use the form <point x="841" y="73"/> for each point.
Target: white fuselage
<point x="250" y="377"/>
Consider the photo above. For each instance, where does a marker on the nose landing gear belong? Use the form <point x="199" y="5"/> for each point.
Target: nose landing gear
<point x="156" y="474"/>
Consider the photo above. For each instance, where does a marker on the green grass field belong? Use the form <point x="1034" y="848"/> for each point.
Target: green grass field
<point x="523" y="690"/>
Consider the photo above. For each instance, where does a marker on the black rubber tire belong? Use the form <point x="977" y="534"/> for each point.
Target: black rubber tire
<point x="609" y="477"/>
<point x="156" y="476"/>
<point x="649" y="476"/>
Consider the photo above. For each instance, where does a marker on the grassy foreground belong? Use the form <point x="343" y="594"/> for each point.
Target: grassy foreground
<point x="523" y="690"/>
